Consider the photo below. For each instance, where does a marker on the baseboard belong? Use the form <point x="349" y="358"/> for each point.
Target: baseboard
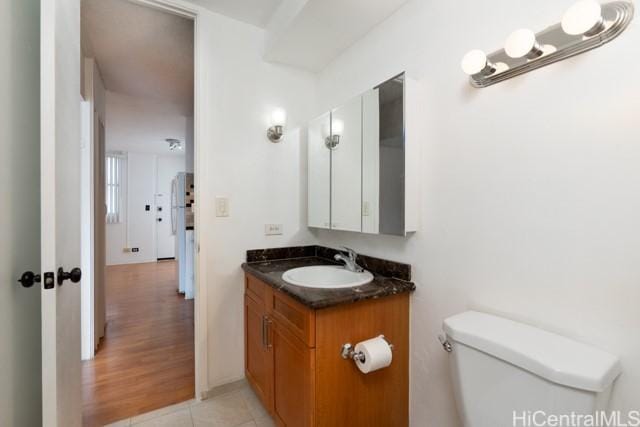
<point x="100" y="340"/>
<point x="225" y="388"/>
<point x="166" y="259"/>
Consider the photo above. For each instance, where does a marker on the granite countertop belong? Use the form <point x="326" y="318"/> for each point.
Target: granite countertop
<point x="268" y="265"/>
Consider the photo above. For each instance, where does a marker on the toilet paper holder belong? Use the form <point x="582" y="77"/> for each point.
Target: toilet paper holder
<point x="348" y="351"/>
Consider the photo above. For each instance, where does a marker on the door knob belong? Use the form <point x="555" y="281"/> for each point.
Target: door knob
<point x="28" y="278"/>
<point x="74" y="275"/>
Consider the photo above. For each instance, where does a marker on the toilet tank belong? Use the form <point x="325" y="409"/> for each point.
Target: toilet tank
<point x="505" y="373"/>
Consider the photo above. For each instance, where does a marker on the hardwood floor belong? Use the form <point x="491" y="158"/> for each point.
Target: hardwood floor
<point x="146" y="360"/>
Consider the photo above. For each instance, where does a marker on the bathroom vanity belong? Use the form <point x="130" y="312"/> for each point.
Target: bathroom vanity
<point x="294" y="336"/>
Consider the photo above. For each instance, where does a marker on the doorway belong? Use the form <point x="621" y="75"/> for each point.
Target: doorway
<point x="139" y="69"/>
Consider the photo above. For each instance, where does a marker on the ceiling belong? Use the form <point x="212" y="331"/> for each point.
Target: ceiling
<point x="140" y="51"/>
<point x="322" y="29"/>
<point x="254" y="12"/>
<point x="147" y="53"/>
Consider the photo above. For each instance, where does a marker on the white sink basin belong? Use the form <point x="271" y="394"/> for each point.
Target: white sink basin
<point x="326" y="277"/>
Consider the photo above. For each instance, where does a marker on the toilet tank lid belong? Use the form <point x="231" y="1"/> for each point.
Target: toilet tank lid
<point x="551" y="356"/>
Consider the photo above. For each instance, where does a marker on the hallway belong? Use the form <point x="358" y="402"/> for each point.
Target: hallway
<point x="146" y="360"/>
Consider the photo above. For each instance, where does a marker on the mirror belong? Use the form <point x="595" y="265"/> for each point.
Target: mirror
<point x="346" y="175"/>
<point x="383" y="158"/>
<point x="357" y="163"/>
<point x="319" y="173"/>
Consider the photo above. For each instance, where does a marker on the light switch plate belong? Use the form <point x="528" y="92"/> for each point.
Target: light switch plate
<point x="272" y="229"/>
<point x="222" y="207"/>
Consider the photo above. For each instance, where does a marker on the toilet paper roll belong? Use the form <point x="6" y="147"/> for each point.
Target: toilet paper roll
<point x="377" y="354"/>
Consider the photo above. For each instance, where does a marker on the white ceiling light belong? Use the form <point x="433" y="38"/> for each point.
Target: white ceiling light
<point x="475" y="62"/>
<point x="522" y="43"/>
<point x="174" y="144"/>
<point x="584" y="17"/>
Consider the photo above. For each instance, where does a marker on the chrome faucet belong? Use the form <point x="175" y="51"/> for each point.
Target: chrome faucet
<point x="349" y="260"/>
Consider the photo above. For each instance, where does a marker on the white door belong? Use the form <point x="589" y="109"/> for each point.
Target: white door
<point x="167" y="169"/>
<point x="20" y="357"/>
<point x="60" y="211"/>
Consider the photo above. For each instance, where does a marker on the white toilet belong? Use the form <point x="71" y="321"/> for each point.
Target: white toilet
<point x="506" y="373"/>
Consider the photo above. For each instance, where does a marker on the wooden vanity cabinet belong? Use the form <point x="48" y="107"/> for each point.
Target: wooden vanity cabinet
<point x="258" y="354"/>
<point x="293" y="379"/>
<point x="293" y="362"/>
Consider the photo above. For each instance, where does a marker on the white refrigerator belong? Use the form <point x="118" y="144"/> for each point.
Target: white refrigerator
<point x="182" y="226"/>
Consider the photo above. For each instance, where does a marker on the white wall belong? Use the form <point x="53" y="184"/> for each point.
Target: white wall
<point x="265" y="182"/>
<point x="146" y="176"/>
<point x="139" y="127"/>
<point x="137" y="229"/>
<point x="20" y="349"/>
<point x="529" y="188"/>
<point x="189" y="147"/>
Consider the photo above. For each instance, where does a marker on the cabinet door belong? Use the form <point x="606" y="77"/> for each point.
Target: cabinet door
<point x="346" y="167"/>
<point x="319" y="180"/>
<point x="294" y="379"/>
<point x="258" y="355"/>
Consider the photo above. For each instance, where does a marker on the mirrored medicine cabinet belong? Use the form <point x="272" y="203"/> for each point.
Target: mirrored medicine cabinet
<point x="363" y="160"/>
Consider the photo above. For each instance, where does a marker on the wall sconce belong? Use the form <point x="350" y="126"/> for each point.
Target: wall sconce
<point x="337" y="129"/>
<point x="278" y="119"/>
<point x="586" y="25"/>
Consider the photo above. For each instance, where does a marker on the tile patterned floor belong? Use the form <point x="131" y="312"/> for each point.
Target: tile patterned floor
<point x="239" y="408"/>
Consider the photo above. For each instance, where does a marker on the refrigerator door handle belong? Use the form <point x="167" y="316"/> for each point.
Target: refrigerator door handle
<point x="174" y="214"/>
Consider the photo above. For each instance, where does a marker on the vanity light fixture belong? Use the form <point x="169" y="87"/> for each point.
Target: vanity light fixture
<point x="337" y="129"/>
<point x="522" y="43"/>
<point x="588" y="23"/>
<point x="278" y="120"/>
<point x="583" y="18"/>
<point x="476" y="62"/>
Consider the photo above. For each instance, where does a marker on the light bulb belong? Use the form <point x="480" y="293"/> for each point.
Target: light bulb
<point x="337" y="127"/>
<point x="475" y="62"/>
<point x="326" y="129"/>
<point x="278" y="117"/>
<point x="522" y="43"/>
<point x="584" y="17"/>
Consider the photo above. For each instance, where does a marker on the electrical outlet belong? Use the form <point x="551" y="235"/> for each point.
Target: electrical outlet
<point x="135" y="249"/>
<point x="222" y="207"/>
<point x="272" y="229"/>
